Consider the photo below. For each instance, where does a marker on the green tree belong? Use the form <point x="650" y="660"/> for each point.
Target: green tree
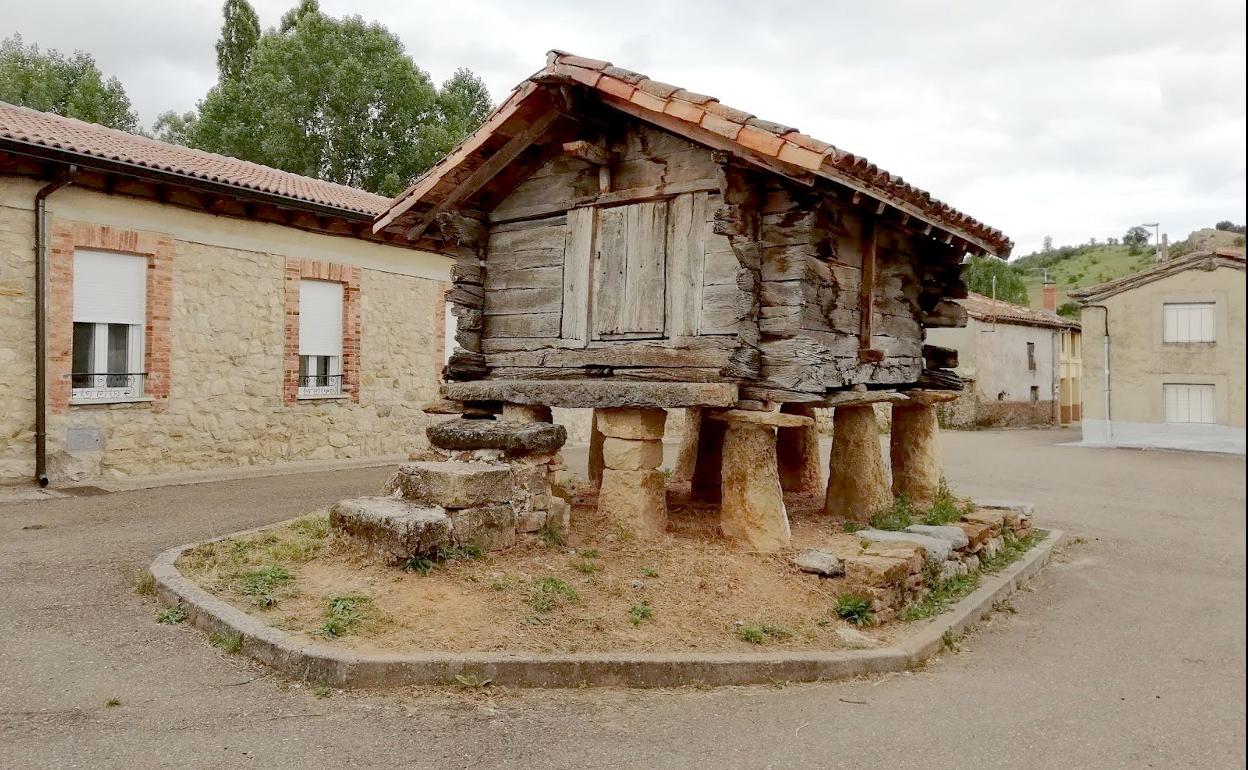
<point x="463" y="104"/>
<point x="174" y="128"/>
<point x="239" y="35"/>
<point x="72" y="86"/>
<point x="980" y="272"/>
<point x="1135" y="239"/>
<point x="336" y="99"/>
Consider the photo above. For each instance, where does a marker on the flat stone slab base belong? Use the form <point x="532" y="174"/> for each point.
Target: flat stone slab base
<point x="338" y="668"/>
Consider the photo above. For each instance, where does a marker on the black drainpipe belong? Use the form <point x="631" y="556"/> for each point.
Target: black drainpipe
<point x="41" y="322"/>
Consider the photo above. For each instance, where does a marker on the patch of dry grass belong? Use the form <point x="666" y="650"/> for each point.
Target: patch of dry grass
<point x="599" y="590"/>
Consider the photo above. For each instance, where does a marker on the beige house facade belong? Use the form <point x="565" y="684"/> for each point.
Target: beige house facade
<point x="199" y="312"/>
<point x="1017" y="364"/>
<point x="1164" y="363"/>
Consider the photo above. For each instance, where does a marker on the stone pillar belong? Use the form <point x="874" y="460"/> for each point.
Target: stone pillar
<point x="687" y="457"/>
<point x="857" y="486"/>
<point x="752" y="508"/>
<point x="797" y="450"/>
<point x="634" y="491"/>
<point x="595" y="450"/>
<point x="705" y="483"/>
<point x="915" y="447"/>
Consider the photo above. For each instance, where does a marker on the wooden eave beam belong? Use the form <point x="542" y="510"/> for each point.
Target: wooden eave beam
<point x="589" y="152"/>
<point x="491" y="167"/>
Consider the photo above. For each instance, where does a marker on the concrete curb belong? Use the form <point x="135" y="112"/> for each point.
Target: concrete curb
<point x="314" y="662"/>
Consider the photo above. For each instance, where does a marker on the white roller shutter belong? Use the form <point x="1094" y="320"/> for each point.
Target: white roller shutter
<point x="110" y="287"/>
<point x="1189" y="322"/>
<point x="1189" y="403"/>
<point x="320" y="318"/>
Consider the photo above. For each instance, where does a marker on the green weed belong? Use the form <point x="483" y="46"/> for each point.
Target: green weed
<point x="552" y="535"/>
<point x="262" y="584"/>
<point x="854" y="608"/>
<point x="759" y="633"/>
<point x="585" y="566"/>
<point x="897" y="516"/>
<point x="322" y="691"/>
<point x="940" y="596"/>
<point x="170" y="616"/>
<point x="550" y="592"/>
<point x="344" y="616"/>
<point x="112" y="702"/>
<point x="639" y="612"/>
<point x="230" y="644"/>
<point x="649" y="572"/>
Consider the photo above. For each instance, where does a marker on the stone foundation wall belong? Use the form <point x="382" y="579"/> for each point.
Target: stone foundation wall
<point x="225" y="403"/>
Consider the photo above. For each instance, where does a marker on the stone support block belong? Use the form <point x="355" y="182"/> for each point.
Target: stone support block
<point x="878" y="571"/>
<point x="752" y="508"/>
<point x="451" y="484"/>
<point x="525" y="413"/>
<point x="644" y="424"/>
<point x="797" y="452"/>
<point x="635" y="500"/>
<point x="687" y="456"/>
<point x="857" y="486"/>
<point x="631" y="455"/>
<point x="915" y="453"/>
<point x="488" y="527"/>
<point x="391" y="527"/>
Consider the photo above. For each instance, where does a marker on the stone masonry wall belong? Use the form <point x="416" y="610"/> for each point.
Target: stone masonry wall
<point x="225" y="404"/>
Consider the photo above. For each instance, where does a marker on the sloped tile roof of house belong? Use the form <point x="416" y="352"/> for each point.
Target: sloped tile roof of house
<point x="1197" y="260"/>
<point x="988" y="309"/>
<point x="24" y="126"/>
<point x="694" y="115"/>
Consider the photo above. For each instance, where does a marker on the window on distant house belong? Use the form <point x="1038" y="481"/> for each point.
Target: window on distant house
<point x="1188" y="403"/>
<point x="1188" y="322"/>
<point x="1035" y="394"/>
<point x="110" y="316"/>
<point x="320" y="339"/>
<point x="1031" y="356"/>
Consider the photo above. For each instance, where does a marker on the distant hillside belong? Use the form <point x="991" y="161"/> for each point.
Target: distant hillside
<point x="1073" y="267"/>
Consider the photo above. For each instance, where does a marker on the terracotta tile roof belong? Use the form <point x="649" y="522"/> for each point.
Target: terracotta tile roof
<point x="1197" y="260"/>
<point x="24" y="126"/>
<point x="764" y="140"/>
<point x="988" y="309"/>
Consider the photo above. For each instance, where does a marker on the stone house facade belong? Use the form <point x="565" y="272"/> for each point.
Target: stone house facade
<point x="1165" y="361"/>
<point x="177" y="312"/>
<point x="1020" y="366"/>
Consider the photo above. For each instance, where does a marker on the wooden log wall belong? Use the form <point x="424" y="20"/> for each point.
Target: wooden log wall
<point x="733" y="274"/>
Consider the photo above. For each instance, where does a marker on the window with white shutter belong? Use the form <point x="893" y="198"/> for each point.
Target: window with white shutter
<point x="320" y="338"/>
<point x="1188" y="322"/>
<point x="1188" y="403"/>
<point x="110" y="315"/>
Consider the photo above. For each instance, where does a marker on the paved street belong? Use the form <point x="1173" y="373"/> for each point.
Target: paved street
<point x="1128" y="652"/>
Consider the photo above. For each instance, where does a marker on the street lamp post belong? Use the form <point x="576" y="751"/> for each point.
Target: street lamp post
<point x="1156" y="236"/>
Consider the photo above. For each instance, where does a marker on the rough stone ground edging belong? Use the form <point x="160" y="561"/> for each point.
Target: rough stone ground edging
<point x="314" y="662"/>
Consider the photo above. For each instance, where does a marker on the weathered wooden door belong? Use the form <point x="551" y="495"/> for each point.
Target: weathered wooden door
<point x="629" y="262"/>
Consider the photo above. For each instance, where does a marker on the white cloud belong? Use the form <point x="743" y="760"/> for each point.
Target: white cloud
<point x="1069" y="119"/>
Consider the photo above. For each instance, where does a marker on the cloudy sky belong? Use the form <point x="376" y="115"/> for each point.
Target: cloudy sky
<point x="1070" y="119"/>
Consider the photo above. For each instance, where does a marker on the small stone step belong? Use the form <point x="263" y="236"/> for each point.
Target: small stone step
<point x="819" y="562"/>
<point x="451" y="484"/>
<point x="954" y="535"/>
<point x="488" y="527"/>
<point x="392" y="527"/>
<point x="938" y="549"/>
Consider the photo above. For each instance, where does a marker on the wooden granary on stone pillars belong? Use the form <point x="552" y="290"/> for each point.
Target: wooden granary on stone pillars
<point x="625" y="245"/>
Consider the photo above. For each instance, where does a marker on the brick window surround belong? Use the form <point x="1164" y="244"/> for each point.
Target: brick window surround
<point x="68" y="236"/>
<point x="349" y="277"/>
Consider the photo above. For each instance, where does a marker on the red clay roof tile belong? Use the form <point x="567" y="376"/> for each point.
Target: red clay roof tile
<point x="762" y="136"/>
<point x="21" y="125"/>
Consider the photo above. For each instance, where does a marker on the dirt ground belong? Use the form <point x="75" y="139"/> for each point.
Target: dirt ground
<point x="600" y="590"/>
